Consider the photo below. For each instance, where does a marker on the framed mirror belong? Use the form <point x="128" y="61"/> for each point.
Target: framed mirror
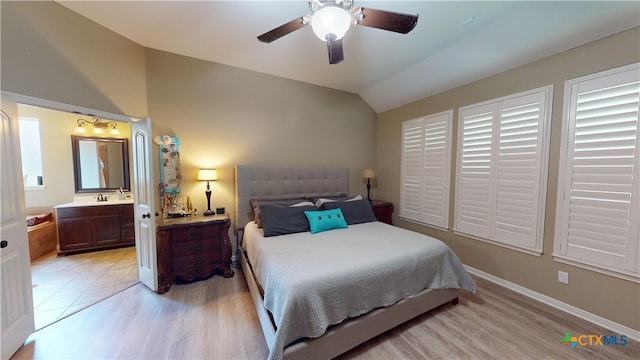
<point x="100" y="164"/>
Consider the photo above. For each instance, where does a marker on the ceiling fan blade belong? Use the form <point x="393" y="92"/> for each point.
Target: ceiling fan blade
<point x="387" y="20"/>
<point x="335" y="49"/>
<point x="283" y="30"/>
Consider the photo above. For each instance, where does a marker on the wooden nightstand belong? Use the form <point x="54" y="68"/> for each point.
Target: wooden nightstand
<point x="192" y="248"/>
<point x="383" y="211"/>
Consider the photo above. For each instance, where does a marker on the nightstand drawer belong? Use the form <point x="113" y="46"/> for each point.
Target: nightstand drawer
<point x="180" y="264"/>
<point x="194" y="233"/>
<point x="198" y="246"/>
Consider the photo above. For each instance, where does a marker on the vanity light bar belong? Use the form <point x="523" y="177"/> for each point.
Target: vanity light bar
<point x="98" y="126"/>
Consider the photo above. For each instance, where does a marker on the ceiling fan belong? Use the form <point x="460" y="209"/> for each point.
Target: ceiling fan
<point x="330" y="20"/>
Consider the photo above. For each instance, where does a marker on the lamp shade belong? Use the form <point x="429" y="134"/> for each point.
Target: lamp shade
<point x="207" y="175"/>
<point x="330" y="20"/>
<point x="368" y="174"/>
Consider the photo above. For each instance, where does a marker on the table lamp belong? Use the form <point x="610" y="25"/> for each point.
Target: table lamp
<point x="369" y="174"/>
<point x="208" y="175"/>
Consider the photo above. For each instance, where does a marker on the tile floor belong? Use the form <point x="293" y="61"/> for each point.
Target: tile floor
<point x="68" y="284"/>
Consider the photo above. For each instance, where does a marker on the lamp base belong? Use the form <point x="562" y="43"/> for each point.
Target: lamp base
<point x="208" y="193"/>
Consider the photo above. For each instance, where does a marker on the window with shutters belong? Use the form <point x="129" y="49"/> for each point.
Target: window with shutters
<point x="502" y="170"/>
<point x="426" y="169"/>
<point x="597" y="212"/>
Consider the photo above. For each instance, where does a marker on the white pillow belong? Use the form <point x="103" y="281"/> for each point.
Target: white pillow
<point x="303" y="203"/>
<point x="321" y="201"/>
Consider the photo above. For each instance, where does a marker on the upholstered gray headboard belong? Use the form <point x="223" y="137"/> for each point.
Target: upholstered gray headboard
<point x="269" y="182"/>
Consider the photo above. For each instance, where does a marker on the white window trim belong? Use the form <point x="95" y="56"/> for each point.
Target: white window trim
<point x="422" y="218"/>
<point x="560" y="240"/>
<point x="537" y="248"/>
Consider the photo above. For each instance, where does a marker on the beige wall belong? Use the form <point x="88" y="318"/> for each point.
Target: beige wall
<point x="612" y="298"/>
<point x="222" y="115"/>
<point x="49" y="52"/>
<point x="56" y="128"/>
<point x="226" y="116"/>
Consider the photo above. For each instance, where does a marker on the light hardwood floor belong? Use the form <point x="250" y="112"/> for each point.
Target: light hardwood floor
<point x="215" y="319"/>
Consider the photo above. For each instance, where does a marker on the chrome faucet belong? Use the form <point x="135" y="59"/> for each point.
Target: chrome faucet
<point x="102" y="198"/>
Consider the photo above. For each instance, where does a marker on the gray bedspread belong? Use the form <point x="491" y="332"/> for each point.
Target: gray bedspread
<point x="312" y="281"/>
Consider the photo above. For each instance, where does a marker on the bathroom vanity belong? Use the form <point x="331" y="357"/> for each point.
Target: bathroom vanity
<point x="84" y="227"/>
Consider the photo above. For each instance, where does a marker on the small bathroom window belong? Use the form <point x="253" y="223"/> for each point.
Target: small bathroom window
<point x="31" y="153"/>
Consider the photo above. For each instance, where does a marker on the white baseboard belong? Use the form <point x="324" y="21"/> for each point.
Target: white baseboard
<point x="570" y="309"/>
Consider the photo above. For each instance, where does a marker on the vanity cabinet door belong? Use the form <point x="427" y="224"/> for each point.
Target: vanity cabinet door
<point x="74" y="234"/>
<point x="127" y="230"/>
<point x="105" y="230"/>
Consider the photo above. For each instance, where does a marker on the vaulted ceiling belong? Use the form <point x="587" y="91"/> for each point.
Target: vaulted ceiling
<point x="454" y="42"/>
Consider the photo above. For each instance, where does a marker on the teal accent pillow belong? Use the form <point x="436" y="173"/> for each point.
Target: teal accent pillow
<point x="325" y="220"/>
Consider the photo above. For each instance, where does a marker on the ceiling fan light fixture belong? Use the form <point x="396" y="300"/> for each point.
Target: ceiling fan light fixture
<point x="330" y="20"/>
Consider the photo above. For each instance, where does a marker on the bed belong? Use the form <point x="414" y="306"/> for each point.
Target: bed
<point x="322" y="291"/>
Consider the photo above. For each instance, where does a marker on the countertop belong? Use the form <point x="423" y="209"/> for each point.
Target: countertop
<point x="94" y="203"/>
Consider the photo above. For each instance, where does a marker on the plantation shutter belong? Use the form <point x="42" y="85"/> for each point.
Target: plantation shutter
<point x="599" y="196"/>
<point x="412" y="171"/>
<point x="426" y="164"/>
<point x="437" y="169"/>
<point x="519" y="170"/>
<point x="502" y="169"/>
<point x="474" y="196"/>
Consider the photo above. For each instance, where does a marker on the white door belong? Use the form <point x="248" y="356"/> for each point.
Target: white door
<point x="16" y="299"/>
<point x="143" y="202"/>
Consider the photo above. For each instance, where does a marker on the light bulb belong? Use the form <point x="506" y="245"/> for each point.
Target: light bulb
<point x="330" y="20"/>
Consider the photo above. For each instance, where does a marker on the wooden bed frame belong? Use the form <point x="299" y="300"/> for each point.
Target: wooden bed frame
<point x="287" y="182"/>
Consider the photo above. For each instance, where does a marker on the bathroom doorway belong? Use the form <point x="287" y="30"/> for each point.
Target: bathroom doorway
<point x="62" y="286"/>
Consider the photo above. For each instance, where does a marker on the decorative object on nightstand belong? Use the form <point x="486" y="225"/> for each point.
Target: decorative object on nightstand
<point x="208" y="175"/>
<point x="383" y="210"/>
<point x="369" y="174"/>
<point x="171" y="198"/>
